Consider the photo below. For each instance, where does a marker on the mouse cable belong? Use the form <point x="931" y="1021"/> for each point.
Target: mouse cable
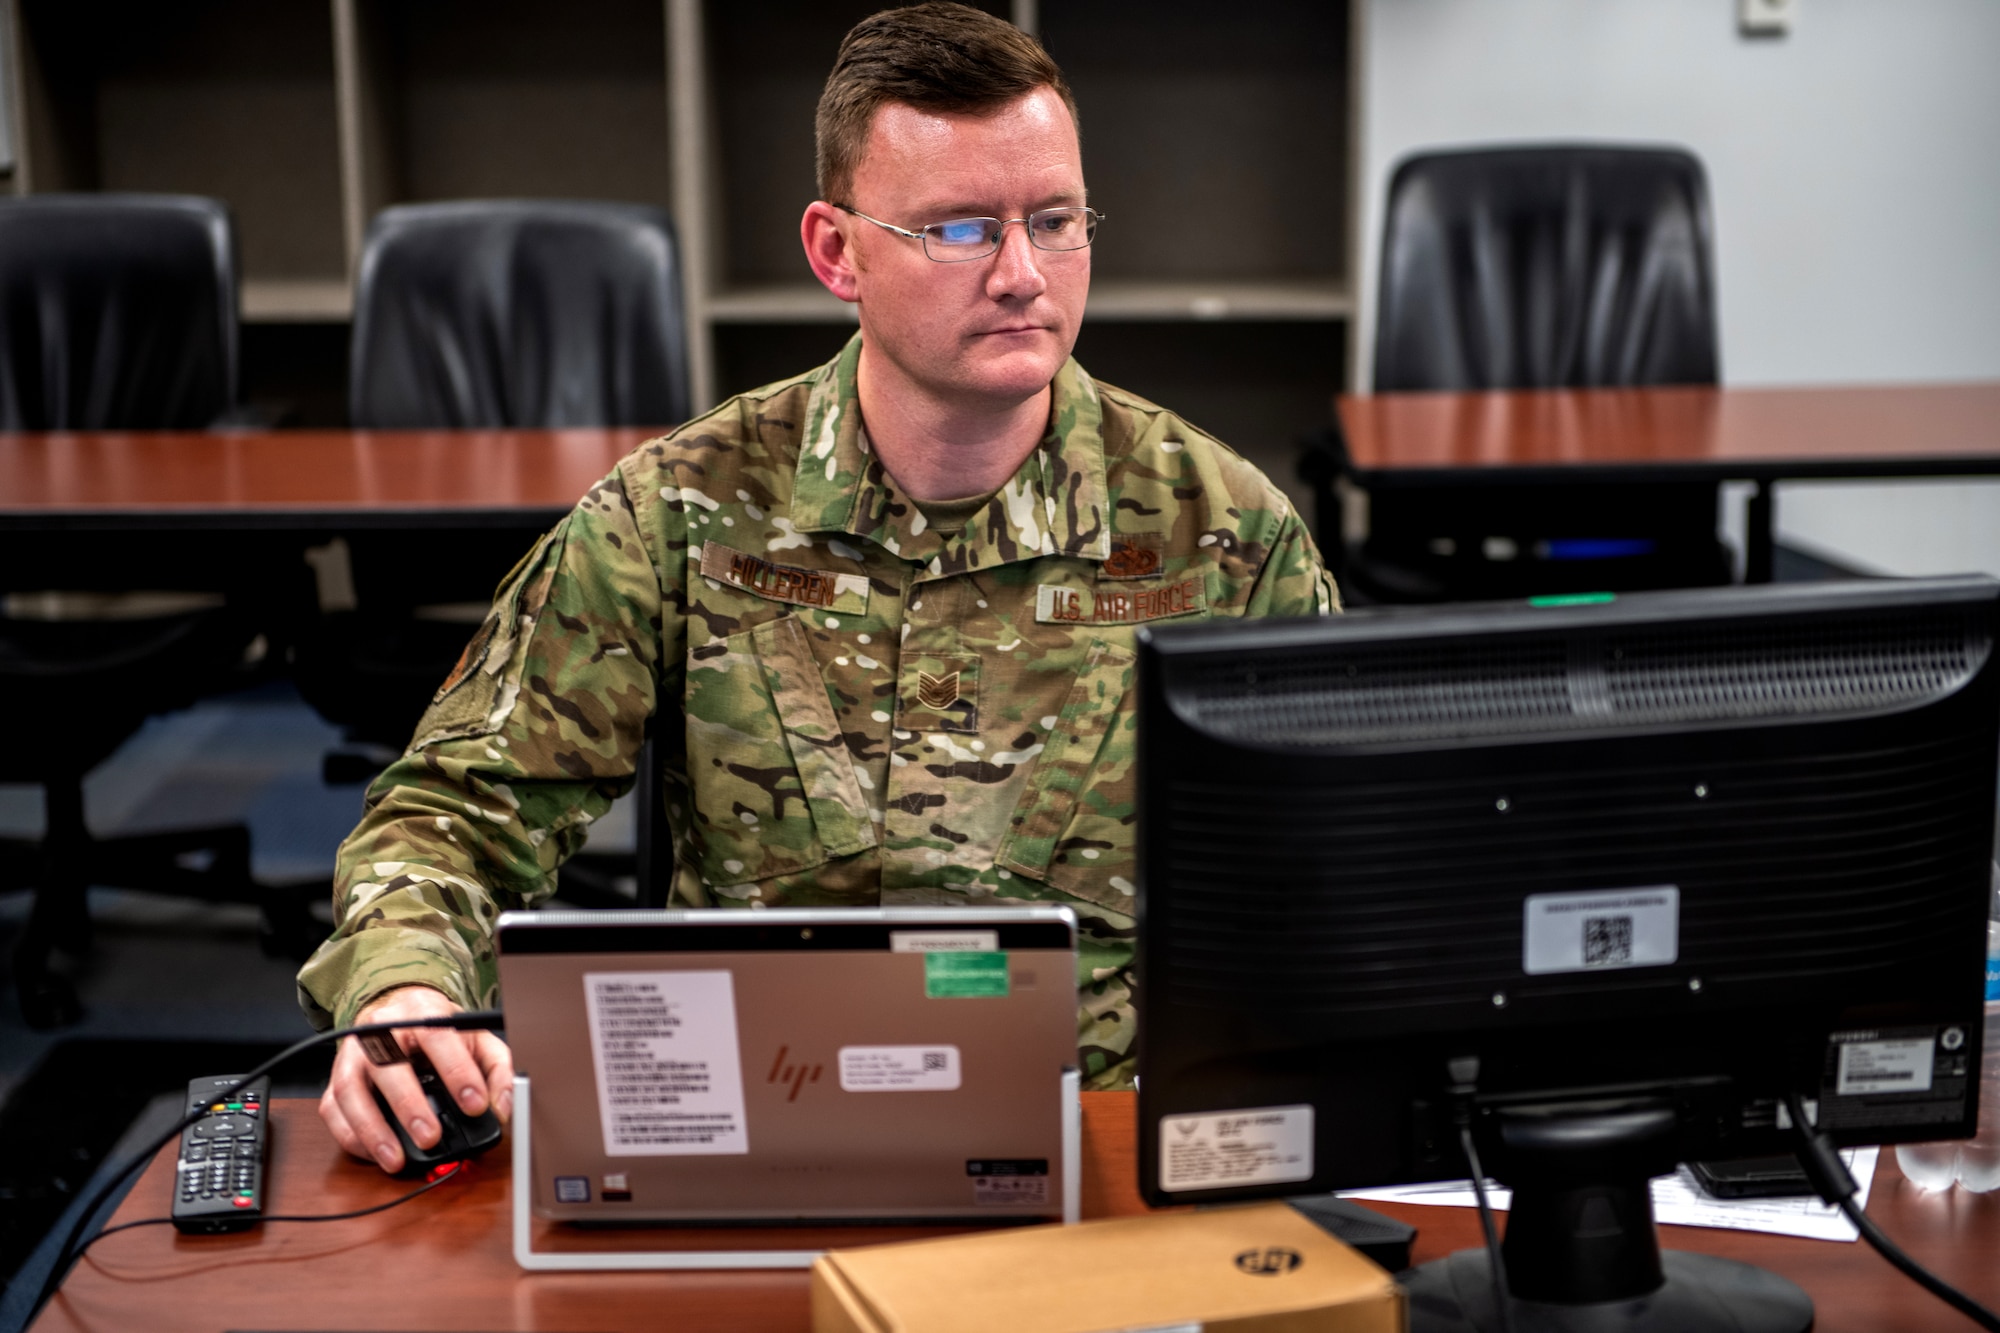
<point x="438" y="1175"/>
<point x="1830" y="1177"/>
<point x="485" y="1020"/>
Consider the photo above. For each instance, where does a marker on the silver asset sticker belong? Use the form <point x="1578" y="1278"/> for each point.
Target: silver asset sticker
<point x="1900" y="1064"/>
<point x="1590" y="932"/>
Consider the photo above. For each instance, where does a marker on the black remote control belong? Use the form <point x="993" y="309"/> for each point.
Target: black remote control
<point x="221" y="1177"/>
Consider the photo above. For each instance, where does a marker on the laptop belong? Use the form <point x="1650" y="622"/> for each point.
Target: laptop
<point x="851" y="1064"/>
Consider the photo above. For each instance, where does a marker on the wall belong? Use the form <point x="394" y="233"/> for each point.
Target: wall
<point x="1852" y="167"/>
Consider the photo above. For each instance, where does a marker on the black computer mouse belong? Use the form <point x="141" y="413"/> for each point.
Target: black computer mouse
<point x="461" y="1135"/>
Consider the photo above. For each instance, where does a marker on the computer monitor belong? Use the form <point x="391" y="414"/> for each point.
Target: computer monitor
<point x="1607" y="877"/>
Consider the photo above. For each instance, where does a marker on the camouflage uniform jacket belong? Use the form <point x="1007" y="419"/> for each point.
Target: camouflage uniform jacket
<point x="874" y="713"/>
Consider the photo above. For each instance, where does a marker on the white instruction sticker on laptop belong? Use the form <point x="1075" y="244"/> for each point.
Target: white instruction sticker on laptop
<point x="1223" y="1148"/>
<point x="1899" y="1064"/>
<point x="1591" y="932"/>
<point x="669" y="1077"/>
<point x="899" y="1068"/>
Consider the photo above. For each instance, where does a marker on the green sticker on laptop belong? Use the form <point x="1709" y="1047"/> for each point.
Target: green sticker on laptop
<point x="965" y="976"/>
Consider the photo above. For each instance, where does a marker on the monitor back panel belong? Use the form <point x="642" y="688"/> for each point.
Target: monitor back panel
<point x="740" y="1066"/>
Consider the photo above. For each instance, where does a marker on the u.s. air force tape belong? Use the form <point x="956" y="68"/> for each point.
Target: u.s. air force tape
<point x="824" y="588"/>
<point x="1057" y="605"/>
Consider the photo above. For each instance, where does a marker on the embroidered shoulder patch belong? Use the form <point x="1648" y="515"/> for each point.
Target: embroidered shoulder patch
<point x="1056" y="605"/>
<point x="823" y="588"/>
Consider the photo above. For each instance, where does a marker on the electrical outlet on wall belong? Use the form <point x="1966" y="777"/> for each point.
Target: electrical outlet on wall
<point x="1766" y="18"/>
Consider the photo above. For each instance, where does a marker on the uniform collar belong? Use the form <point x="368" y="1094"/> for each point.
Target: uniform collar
<point x="1057" y="503"/>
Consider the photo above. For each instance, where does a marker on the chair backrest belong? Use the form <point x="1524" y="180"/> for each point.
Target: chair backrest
<point x="1546" y="267"/>
<point x="532" y="313"/>
<point x="117" y="312"/>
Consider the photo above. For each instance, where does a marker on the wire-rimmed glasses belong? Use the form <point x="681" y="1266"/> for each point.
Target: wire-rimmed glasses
<point x="958" y="239"/>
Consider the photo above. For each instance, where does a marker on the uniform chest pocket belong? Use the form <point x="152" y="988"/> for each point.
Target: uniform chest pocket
<point x="1074" y="828"/>
<point x="775" y="788"/>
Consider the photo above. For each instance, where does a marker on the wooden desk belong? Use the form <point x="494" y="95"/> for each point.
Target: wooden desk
<point x="444" y="1261"/>
<point x="1638" y="436"/>
<point x="278" y="480"/>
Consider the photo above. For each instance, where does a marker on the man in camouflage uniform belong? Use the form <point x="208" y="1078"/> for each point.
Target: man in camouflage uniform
<point x="885" y="609"/>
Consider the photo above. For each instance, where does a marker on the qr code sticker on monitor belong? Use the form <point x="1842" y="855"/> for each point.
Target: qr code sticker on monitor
<point x="1607" y="941"/>
<point x="936" y="1060"/>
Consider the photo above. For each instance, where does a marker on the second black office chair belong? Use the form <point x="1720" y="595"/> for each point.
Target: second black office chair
<point x="481" y="314"/>
<point x="117" y="312"/>
<point x="1559" y="266"/>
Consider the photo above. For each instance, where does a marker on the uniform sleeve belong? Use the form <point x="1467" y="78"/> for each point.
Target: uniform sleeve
<point x="532" y="736"/>
<point x="1294" y="580"/>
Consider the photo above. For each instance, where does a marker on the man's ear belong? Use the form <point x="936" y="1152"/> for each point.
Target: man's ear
<point x="827" y="250"/>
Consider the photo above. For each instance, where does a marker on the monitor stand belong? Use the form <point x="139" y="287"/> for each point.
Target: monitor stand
<point x="1581" y="1251"/>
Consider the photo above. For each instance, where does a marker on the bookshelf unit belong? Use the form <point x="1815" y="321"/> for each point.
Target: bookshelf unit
<point x="1218" y="141"/>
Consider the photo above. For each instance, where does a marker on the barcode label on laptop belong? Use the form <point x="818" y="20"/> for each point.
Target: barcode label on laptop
<point x="1010" y="1191"/>
<point x="1009" y="1182"/>
<point x="944" y="941"/>
<point x="669" y="1083"/>
<point x="898" y="1068"/>
<point x="1250" y="1147"/>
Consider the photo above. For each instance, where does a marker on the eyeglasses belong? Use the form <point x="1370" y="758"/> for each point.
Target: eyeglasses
<point x="960" y="239"/>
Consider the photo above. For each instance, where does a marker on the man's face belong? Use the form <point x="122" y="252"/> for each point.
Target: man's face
<point x="987" y="332"/>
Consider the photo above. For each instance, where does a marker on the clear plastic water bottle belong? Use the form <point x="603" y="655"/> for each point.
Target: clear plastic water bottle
<point x="1975" y="1163"/>
<point x="1929" y="1166"/>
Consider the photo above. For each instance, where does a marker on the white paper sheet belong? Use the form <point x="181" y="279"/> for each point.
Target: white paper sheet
<point x="1678" y="1201"/>
<point x="669" y="1077"/>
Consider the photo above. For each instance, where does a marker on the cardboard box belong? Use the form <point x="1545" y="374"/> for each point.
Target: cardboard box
<point x="1256" y="1269"/>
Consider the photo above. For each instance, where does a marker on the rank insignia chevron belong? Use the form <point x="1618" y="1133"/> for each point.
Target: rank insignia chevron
<point x="939" y="692"/>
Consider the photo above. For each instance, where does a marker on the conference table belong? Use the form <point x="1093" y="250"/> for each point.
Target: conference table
<point x="126" y="481"/>
<point x="1657" y="436"/>
<point x="445" y="1260"/>
<point x="434" y="516"/>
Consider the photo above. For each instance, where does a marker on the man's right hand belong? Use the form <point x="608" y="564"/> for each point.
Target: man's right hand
<point x="476" y="1066"/>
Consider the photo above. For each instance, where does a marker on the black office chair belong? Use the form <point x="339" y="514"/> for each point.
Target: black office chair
<point x="116" y="312"/>
<point x="483" y="314"/>
<point x="1564" y="266"/>
<point x="519" y="313"/>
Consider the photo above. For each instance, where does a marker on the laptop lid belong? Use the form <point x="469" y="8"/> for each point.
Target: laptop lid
<point x="830" y="1064"/>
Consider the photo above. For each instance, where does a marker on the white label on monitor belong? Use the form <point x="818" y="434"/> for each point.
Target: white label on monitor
<point x="1262" y="1145"/>
<point x="1901" y="1064"/>
<point x="669" y="1075"/>
<point x="1603" y="931"/>
<point x="899" y="1068"/>
<point x="944" y="941"/>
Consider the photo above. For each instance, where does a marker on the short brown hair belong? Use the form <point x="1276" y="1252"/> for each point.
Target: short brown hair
<point x="936" y="57"/>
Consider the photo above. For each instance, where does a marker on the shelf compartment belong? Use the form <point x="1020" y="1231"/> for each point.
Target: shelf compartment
<point x="232" y="98"/>
<point x="771" y="61"/>
<point x="1193" y="299"/>
<point x="1256" y="386"/>
<point x="780" y="303"/>
<point x="282" y="300"/>
<point x="484" y="99"/>
<point x="749" y="355"/>
<point x="1216" y="146"/>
